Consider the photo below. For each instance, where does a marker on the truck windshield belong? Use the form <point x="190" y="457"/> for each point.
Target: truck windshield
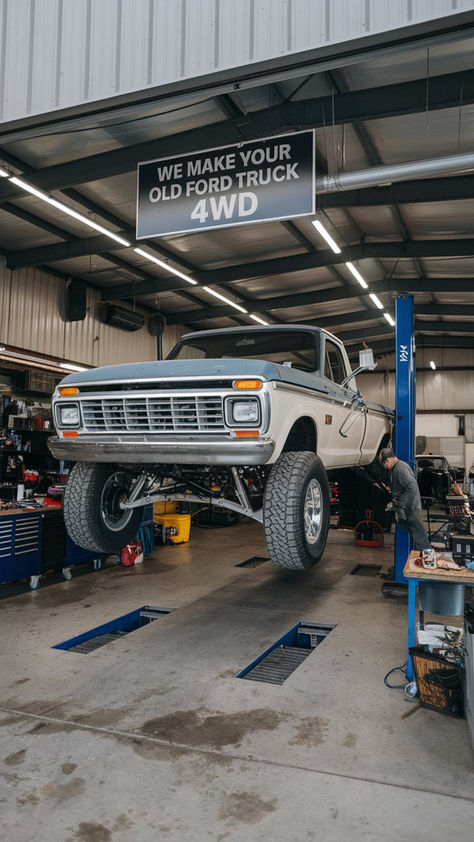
<point x="295" y="348"/>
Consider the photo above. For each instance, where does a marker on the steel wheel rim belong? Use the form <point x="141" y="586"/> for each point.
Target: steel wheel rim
<point x="115" y="492"/>
<point x="313" y="512"/>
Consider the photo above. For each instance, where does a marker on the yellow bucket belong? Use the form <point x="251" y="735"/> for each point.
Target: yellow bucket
<point x="181" y="522"/>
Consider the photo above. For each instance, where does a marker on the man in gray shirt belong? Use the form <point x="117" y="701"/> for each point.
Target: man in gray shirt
<point x="406" y="497"/>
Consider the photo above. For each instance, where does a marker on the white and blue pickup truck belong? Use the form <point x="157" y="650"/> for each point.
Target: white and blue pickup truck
<point x="248" y="418"/>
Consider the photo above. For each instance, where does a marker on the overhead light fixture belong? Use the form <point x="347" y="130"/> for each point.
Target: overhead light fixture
<point x="258" y="319"/>
<point x="357" y="275"/>
<point x="433" y="365"/>
<point x="35" y="360"/>
<point x="324" y="234"/>
<point x="227" y="300"/>
<point x="4" y="174"/>
<point x="164" y="265"/>
<point x="69" y="211"/>
<point x="389" y="319"/>
<point x="376" y="300"/>
<point x="71" y="367"/>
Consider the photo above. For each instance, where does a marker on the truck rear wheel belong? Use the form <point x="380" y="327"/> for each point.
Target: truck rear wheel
<point x="296" y="509"/>
<point x="92" y="512"/>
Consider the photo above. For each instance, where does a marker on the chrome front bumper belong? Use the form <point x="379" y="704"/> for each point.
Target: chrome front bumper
<point x="158" y="452"/>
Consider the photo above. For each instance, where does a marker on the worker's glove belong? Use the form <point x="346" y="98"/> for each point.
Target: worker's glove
<point x="389" y="506"/>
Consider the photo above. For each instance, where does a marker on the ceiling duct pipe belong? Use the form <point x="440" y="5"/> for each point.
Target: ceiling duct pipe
<point x="387" y="174"/>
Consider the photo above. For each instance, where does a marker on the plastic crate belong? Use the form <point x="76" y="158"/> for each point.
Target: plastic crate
<point x="439" y="682"/>
<point x="462" y="548"/>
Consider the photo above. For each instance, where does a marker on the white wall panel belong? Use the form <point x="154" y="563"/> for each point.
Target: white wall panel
<point x="61" y="53"/>
<point x="171" y="335"/>
<point x="43" y="71"/>
<point x="435" y="390"/>
<point x="235" y="23"/>
<point x="309" y="24"/>
<point x="199" y="40"/>
<point x="73" y="50"/>
<point x="104" y="60"/>
<point x="30" y="319"/>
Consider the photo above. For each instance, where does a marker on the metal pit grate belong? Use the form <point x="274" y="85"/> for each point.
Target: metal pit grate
<point x="366" y="570"/>
<point x="278" y="662"/>
<point x="254" y="561"/>
<point x="100" y="636"/>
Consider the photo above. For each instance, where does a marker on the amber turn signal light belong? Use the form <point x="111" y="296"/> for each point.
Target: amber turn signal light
<point x="247" y="384"/>
<point x="68" y="391"/>
<point x="70" y="434"/>
<point x="246" y="434"/>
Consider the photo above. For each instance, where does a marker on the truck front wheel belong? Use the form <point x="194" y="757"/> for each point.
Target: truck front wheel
<point x="92" y="512"/>
<point x="296" y="509"/>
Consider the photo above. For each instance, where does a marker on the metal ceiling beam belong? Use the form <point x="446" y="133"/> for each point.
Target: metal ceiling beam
<point x="443" y="327"/>
<point x="299" y="262"/>
<point x="445" y="309"/>
<point x="336" y="293"/>
<point x="60" y="251"/>
<point x="446" y="91"/>
<point x="403" y="192"/>
<point x="420" y="329"/>
<point x="387" y="346"/>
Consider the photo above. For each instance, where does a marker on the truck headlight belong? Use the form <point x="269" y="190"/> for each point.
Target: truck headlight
<point x="69" y="415"/>
<point x="240" y="411"/>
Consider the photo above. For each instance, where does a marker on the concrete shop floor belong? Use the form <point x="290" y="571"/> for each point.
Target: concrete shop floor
<point x="152" y="737"/>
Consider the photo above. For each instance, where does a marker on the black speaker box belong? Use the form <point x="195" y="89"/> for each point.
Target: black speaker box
<point x="76" y="306"/>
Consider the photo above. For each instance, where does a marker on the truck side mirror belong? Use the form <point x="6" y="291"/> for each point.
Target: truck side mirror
<point x="366" y="363"/>
<point x="366" y="360"/>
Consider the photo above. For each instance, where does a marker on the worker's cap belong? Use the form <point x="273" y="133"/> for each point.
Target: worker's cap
<point x="385" y="454"/>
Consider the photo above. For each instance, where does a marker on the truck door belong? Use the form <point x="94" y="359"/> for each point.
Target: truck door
<point x="348" y="413"/>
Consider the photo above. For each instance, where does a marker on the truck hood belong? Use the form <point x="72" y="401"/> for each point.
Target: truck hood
<point x="176" y="369"/>
<point x="225" y="369"/>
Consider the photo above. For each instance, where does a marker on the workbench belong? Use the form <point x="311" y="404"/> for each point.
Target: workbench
<point x="415" y="575"/>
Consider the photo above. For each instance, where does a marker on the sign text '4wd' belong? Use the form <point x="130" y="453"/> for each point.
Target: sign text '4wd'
<point x="250" y="182"/>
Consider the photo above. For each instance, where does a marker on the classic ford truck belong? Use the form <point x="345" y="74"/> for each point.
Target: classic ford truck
<point x="248" y="418"/>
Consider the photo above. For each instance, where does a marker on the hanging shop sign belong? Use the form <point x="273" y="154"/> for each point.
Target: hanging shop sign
<point x="256" y="181"/>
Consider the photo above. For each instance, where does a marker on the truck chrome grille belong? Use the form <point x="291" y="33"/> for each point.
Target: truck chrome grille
<point x="155" y="414"/>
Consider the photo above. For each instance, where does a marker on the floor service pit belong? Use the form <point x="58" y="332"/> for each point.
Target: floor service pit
<point x="99" y="636"/>
<point x="278" y="662"/>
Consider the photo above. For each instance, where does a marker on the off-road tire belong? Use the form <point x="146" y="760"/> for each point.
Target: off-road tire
<point x="283" y="510"/>
<point x="82" y="510"/>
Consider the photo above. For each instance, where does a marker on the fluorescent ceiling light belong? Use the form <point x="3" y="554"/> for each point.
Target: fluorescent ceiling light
<point x="376" y="300"/>
<point x="71" y="367"/>
<point x="69" y="211"/>
<point x="258" y="319"/>
<point x="357" y="275"/>
<point x="4" y="174"/>
<point x="389" y="319"/>
<point x="227" y="300"/>
<point x="433" y="365"/>
<point x="326" y="236"/>
<point x="164" y="265"/>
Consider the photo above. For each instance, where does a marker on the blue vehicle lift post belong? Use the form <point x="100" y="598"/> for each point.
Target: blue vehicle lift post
<point x="404" y="410"/>
<point x="405" y="441"/>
